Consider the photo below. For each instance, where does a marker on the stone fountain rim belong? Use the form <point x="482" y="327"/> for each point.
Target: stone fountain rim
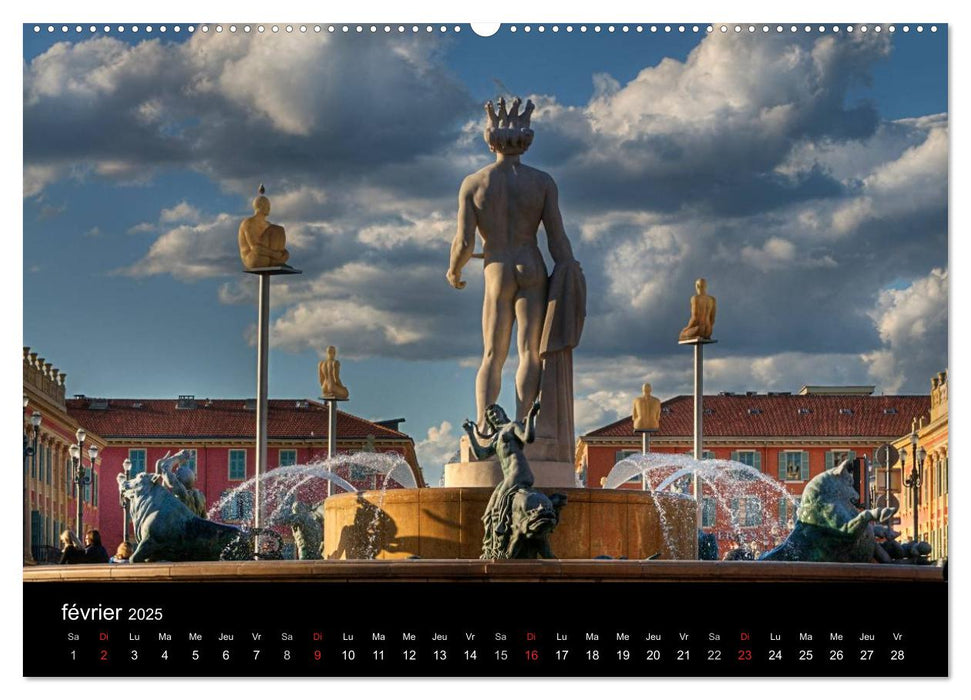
<point x="445" y="570"/>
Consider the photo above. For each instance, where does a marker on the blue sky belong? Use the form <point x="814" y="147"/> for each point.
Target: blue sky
<point x="805" y="176"/>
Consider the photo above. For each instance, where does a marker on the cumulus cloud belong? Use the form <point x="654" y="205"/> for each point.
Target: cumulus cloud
<point x="913" y="327"/>
<point x="192" y="251"/>
<point x="183" y="212"/>
<point x="438" y="448"/>
<point x="240" y="107"/>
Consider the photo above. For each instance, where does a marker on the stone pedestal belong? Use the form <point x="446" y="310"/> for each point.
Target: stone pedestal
<point x="469" y="471"/>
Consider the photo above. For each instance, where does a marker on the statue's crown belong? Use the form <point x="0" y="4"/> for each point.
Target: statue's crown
<point x="507" y="131"/>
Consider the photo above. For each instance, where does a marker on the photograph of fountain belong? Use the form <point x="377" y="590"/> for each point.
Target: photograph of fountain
<point x="718" y="255"/>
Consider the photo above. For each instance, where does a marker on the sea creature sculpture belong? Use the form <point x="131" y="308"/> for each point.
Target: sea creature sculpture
<point x="831" y="527"/>
<point x="518" y="519"/>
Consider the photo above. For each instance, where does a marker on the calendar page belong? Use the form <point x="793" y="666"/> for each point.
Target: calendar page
<point x="526" y="350"/>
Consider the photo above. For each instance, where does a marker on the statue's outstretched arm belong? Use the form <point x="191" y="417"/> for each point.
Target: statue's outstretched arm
<point x="526" y="431"/>
<point x="560" y="247"/>
<point x="463" y="245"/>
<point x="480" y="451"/>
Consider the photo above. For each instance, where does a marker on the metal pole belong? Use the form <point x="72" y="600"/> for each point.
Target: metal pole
<point x="866" y="482"/>
<point x="27" y="553"/>
<point x="124" y="507"/>
<point x="262" y="362"/>
<point x="28" y="532"/>
<point x="699" y="427"/>
<point x="886" y="465"/>
<point x="331" y="436"/>
<point x="79" y="515"/>
<point x="916" y="488"/>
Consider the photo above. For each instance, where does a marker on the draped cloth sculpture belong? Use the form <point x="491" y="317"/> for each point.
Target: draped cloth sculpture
<point x="565" y="313"/>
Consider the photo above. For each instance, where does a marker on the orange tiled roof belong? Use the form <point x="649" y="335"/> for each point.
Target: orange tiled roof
<point x="218" y="418"/>
<point x="764" y="416"/>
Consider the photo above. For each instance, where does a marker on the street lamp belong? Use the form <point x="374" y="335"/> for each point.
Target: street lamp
<point x="126" y="467"/>
<point x="916" y="476"/>
<point x="30" y="458"/>
<point x="81" y="478"/>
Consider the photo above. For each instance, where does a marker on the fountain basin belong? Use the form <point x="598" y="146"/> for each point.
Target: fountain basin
<point x="446" y="523"/>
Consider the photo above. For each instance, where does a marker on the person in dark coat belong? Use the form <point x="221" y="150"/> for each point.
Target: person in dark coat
<point x="94" y="551"/>
<point x="71" y="550"/>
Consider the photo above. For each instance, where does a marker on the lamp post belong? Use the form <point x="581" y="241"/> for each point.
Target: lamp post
<point x="126" y="467"/>
<point x="916" y="476"/>
<point x="30" y="458"/>
<point x="81" y="478"/>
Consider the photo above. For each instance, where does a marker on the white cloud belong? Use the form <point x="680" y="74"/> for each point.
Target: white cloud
<point x="429" y="232"/>
<point x="436" y="450"/>
<point x="192" y="251"/>
<point x="913" y="327"/>
<point x="183" y="212"/>
<point x="144" y="227"/>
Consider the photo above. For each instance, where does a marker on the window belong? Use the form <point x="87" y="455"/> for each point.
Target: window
<point x="35" y="526"/>
<point x="87" y="489"/>
<point x="358" y="472"/>
<point x="787" y="511"/>
<point x="38" y="455"/>
<point x="709" y="507"/>
<point x="707" y="454"/>
<point x="752" y="458"/>
<point x="834" y="458"/>
<point x="238" y="507"/>
<point x="50" y="466"/>
<point x="624" y="454"/>
<point x="288" y="458"/>
<point x="747" y="511"/>
<point x="137" y="458"/>
<point x="237" y="465"/>
<point x="794" y="466"/>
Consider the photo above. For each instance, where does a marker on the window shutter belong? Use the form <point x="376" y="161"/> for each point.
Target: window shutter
<point x="830" y="460"/>
<point x="804" y="466"/>
<point x="734" y="455"/>
<point x="852" y="455"/>
<point x="35" y="527"/>
<point x="757" y="462"/>
<point x="782" y="465"/>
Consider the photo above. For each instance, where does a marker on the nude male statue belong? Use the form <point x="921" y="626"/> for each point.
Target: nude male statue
<point x="647" y="411"/>
<point x="262" y="244"/>
<point x="506" y="202"/>
<point x="702" y="321"/>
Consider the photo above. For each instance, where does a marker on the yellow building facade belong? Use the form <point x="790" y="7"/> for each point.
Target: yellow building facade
<point x="50" y="492"/>
<point x="929" y="432"/>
